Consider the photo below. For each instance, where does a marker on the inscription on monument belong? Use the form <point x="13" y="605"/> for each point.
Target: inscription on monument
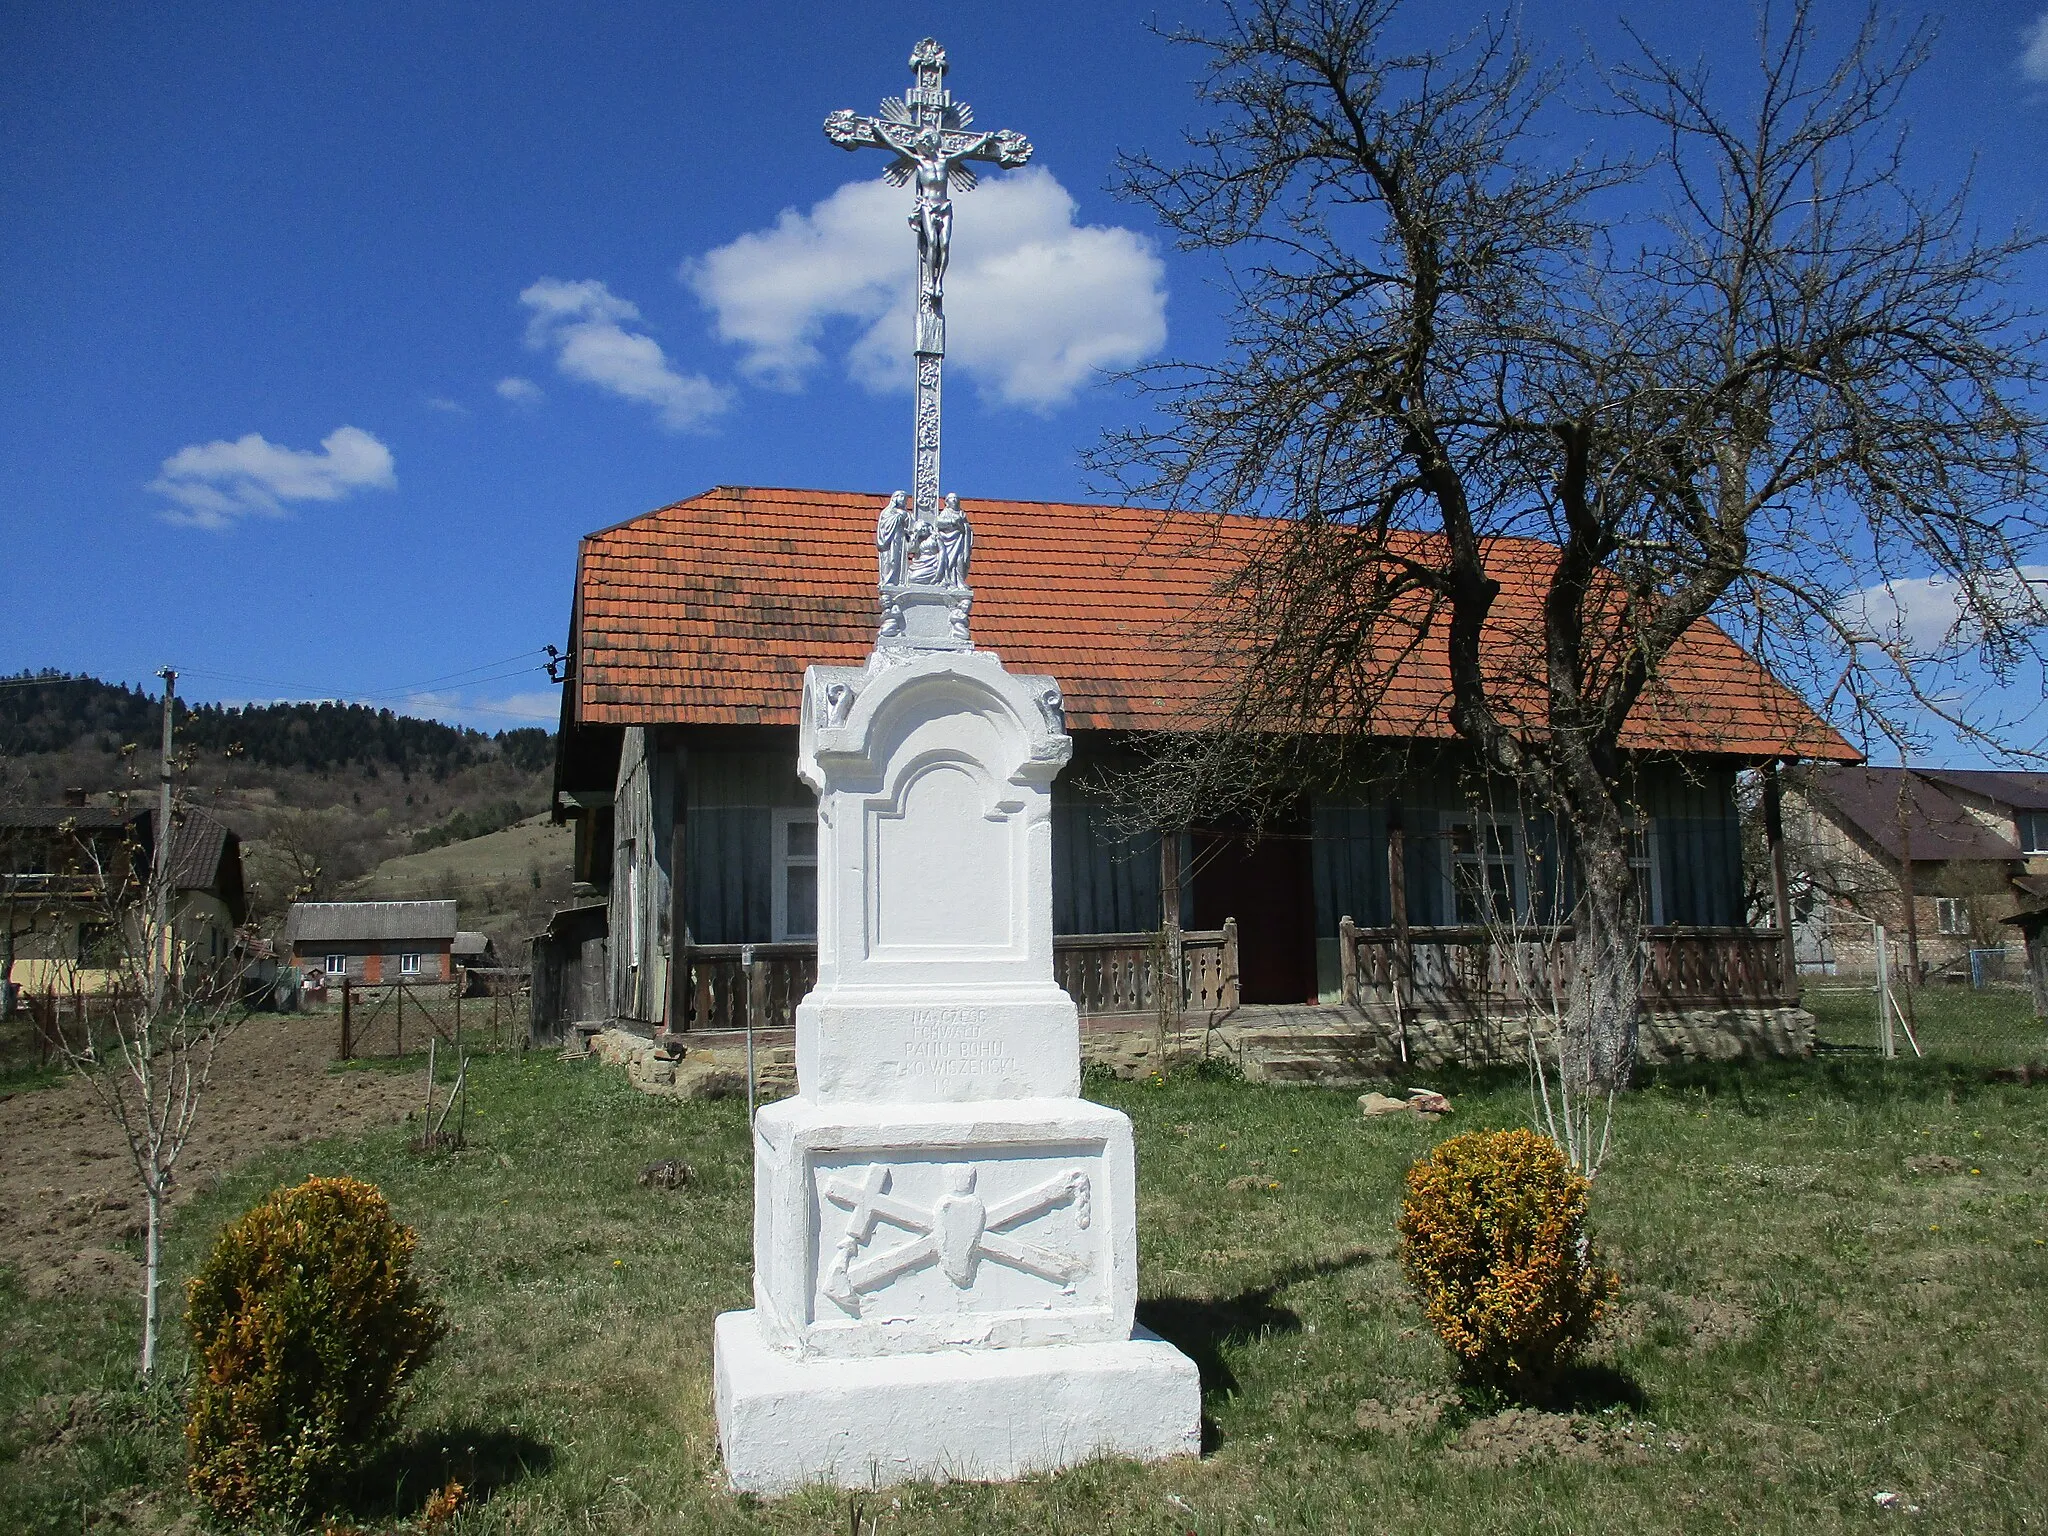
<point x="954" y="1042"/>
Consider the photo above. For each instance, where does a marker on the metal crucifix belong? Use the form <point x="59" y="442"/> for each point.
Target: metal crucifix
<point x="929" y="134"/>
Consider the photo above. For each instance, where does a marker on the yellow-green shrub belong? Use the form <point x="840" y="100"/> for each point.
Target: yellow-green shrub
<point x="1493" y="1241"/>
<point x="305" y="1322"/>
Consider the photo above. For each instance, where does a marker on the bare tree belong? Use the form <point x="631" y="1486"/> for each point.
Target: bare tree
<point x="308" y="855"/>
<point x="149" y="1013"/>
<point x="1743" y="377"/>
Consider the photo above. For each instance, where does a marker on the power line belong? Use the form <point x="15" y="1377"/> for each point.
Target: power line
<point x="499" y="670"/>
<point x="466" y="677"/>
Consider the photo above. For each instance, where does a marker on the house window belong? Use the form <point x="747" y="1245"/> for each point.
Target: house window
<point x="1951" y="915"/>
<point x="335" y="965"/>
<point x="1642" y="862"/>
<point x="796" y="875"/>
<point x="1487" y="883"/>
<point x="409" y="965"/>
<point x="2033" y="831"/>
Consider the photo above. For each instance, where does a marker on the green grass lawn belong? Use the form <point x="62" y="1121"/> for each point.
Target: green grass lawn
<point x="1836" y="1285"/>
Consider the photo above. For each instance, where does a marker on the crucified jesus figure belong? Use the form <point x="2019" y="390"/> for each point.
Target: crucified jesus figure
<point x="933" y="219"/>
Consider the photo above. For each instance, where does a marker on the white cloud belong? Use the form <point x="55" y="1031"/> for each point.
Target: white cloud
<point x="215" y="483"/>
<point x="519" y="391"/>
<point x="2034" y="49"/>
<point x="585" y="325"/>
<point x="1035" y="302"/>
<point x="445" y="406"/>
<point x="1925" y="613"/>
<point x="486" y="714"/>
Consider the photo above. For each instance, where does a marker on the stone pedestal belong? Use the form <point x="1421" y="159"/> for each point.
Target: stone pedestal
<point x="945" y="1233"/>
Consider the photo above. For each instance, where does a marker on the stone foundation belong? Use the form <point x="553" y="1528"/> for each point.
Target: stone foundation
<point x="704" y="1071"/>
<point x="1339" y="1046"/>
<point x="1326" y="1044"/>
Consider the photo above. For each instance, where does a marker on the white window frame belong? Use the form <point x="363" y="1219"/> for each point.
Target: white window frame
<point x="2038" y="820"/>
<point x="1949" y="912"/>
<point x="409" y="963"/>
<point x="1518" y="861"/>
<point x="335" y="965"/>
<point x="780" y="862"/>
<point x="1649" y="868"/>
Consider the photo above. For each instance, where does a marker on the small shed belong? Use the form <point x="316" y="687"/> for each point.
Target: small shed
<point x="373" y="942"/>
<point x="2033" y="927"/>
<point x="569" y="970"/>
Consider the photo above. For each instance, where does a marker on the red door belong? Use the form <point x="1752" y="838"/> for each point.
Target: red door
<point x="1269" y="887"/>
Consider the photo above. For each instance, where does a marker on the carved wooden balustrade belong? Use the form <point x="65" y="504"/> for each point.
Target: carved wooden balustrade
<point x="1104" y="973"/>
<point x="731" y="982"/>
<point x="1475" y="973"/>
<point x="1121" y="973"/>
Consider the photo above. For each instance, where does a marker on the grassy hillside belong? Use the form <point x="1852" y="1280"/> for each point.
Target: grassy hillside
<point x="507" y="882"/>
<point x="321" y="794"/>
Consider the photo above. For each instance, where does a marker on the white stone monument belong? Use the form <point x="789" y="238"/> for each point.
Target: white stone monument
<point x="945" y="1233"/>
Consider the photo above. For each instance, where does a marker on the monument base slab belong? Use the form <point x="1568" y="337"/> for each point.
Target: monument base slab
<point x="973" y="1415"/>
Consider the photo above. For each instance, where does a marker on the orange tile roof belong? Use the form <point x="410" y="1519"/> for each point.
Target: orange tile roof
<point x="707" y="612"/>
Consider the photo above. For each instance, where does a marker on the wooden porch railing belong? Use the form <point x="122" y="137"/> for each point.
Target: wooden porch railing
<point x="1104" y="973"/>
<point x="730" y="983"/>
<point x="1109" y="973"/>
<point x="1471" y="972"/>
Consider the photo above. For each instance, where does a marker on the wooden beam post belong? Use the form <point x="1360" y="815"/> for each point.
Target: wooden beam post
<point x="2037" y="965"/>
<point x="1404" y="940"/>
<point x="1347" y="960"/>
<point x="1169" y="920"/>
<point x="345" y="1041"/>
<point x="757" y="990"/>
<point x="679" y="990"/>
<point x="1781" y="883"/>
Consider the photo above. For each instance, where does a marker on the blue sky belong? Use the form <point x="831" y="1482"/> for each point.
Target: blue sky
<point x="330" y="328"/>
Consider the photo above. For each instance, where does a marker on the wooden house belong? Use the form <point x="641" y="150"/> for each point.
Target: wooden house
<point x="373" y="943"/>
<point x="71" y="873"/>
<point x="688" y="636"/>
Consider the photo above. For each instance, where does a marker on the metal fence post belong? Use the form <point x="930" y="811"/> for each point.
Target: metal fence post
<point x="1886" y="1046"/>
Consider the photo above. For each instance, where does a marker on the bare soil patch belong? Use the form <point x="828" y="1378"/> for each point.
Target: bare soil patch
<point x="69" y="1202"/>
<point x="1934" y="1164"/>
<point x="1527" y="1434"/>
<point x="1413" y="1415"/>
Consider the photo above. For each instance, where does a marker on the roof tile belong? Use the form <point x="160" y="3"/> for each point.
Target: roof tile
<point x="707" y="612"/>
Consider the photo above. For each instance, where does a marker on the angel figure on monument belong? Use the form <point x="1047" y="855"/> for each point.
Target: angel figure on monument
<point x="891" y="532"/>
<point x="956" y="542"/>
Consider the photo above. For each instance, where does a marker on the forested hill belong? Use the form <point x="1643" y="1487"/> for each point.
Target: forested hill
<point x="53" y="712"/>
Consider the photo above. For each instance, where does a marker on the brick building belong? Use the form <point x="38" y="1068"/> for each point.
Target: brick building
<point x="373" y="942"/>
<point x="1971" y="845"/>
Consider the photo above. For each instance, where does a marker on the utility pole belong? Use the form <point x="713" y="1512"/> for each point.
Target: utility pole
<point x="160" y="954"/>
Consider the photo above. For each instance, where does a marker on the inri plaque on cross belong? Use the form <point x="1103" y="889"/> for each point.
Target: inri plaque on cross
<point x="932" y="139"/>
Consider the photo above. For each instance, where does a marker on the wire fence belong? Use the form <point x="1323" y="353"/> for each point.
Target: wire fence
<point x="401" y="1018"/>
<point x="1978" y="1010"/>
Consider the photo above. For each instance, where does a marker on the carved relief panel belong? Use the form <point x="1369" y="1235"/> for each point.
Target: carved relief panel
<point x="926" y="1246"/>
